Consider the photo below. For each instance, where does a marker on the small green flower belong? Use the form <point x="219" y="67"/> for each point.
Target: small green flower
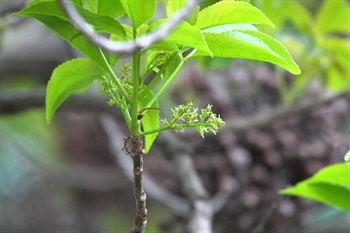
<point x="186" y="116"/>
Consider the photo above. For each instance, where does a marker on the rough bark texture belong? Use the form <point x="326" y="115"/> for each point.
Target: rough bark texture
<point x="140" y="220"/>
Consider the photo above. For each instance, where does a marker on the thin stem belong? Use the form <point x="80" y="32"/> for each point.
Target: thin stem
<point x="159" y="73"/>
<point x="182" y="126"/>
<point x="282" y="89"/>
<point x="155" y="130"/>
<point x="135" y="125"/>
<point x="115" y="78"/>
<point x="124" y="108"/>
<point x="170" y="79"/>
<point x="165" y="85"/>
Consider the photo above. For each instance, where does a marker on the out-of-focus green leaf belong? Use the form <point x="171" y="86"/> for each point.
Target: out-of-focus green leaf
<point x="347" y="156"/>
<point x="330" y="186"/>
<point x="292" y="11"/>
<point x="230" y="12"/>
<point x="334" y="16"/>
<point x="150" y="120"/>
<point x="139" y="11"/>
<point x="250" y="45"/>
<point x="184" y="34"/>
<point x="338" y="70"/>
<point x="72" y="76"/>
<point x="337" y="79"/>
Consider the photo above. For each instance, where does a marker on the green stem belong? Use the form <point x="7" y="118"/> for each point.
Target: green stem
<point x="159" y="73"/>
<point x="115" y="78"/>
<point x="165" y="85"/>
<point x="155" y="130"/>
<point x="196" y="125"/>
<point x="135" y="125"/>
<point x="124" y="109"/>
<point x="281" y="85"/>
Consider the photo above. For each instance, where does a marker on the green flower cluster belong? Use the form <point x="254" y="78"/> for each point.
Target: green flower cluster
<point x="110" y="87"/>
<point x="186" y="116"/>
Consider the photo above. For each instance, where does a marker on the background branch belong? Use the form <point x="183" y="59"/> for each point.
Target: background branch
<point x="202" y="211"/>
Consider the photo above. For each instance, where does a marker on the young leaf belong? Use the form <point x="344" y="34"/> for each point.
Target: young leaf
<point x="149" y="120"/>
<point x="139" y="11"/>
<point x="72" y="76"/>
<point x="184" y="34"/>
<point x="330" y="186"/>
<point x="230" y="12"/>
<point x="250" y="45"/>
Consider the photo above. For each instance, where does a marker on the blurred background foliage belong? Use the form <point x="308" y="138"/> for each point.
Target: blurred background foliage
<point x="46" y="170"/>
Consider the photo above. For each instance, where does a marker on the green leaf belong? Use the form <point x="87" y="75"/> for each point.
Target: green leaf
<point x="250" y="45"/>
<point x="184" y="34"/>
<point x="111" y="8"/>
<point x="347" y="156"/>
<point x="72" y="76"/>
<point x="337" y="57"/>
<point x="78" y="2"/>
<point x="174" y="6"/>
<point x="139" y="11"/>
<point x="337" y="80"/>
<point x="52" y="8"/>
<point x="230" y="12"/>
<point x="329" y="186"/>
<point x="49" y="13"/>
<point x="333" y="16"/>
<point x="150" y="120"/>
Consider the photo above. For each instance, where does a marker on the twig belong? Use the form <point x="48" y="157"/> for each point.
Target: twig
<point x="128" y="47"/>
<point x="261" y="225"/>
<point x="281" y="112"/>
